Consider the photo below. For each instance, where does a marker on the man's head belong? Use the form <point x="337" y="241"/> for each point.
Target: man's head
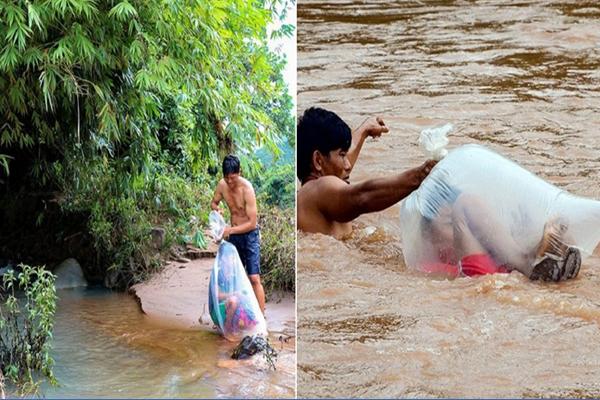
<point x="323" y="141"/>
<point x="231" y="170"/>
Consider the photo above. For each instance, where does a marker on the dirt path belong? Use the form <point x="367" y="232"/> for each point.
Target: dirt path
<point x="178" y="295"/>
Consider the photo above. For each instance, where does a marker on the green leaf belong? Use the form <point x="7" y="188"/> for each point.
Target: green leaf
<point x="123" y="11"/>
<point x="17" y="34"/>
<point x="85" y="47"/>
<point x="61" y="52"/>
<point x="32" y="57"/>
<point x="9" y="58"/>
<point x="48" y="84"/>
<point x="33" y="14"/>
<point x="199" y="240"/>
<point x="4" y="162"/>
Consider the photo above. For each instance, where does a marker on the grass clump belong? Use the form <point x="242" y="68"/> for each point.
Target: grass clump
<point x="27" y="307"/>
<point x="278" y="249"/>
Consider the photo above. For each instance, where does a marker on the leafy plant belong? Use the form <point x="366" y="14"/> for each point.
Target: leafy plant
<point x="277" y="186"/>
<point x="4" y="163"/>
<point x="278" y="248"/>
<point x="192" y="233"/>
<point x="28" y="303"/>
<point x="121" y="79"/>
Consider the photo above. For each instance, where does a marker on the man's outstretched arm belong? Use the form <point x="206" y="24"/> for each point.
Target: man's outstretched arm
<point x="341" y="202"/>
<point x="374" y="127"/>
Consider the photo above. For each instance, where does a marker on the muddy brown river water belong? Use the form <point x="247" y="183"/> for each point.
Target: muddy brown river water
<point x="105" y="347"/>
<point x="521" y="77"/>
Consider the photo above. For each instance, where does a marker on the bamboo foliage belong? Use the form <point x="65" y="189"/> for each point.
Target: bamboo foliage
<point x="123" y="107"/>
<point x="78" y="71"/>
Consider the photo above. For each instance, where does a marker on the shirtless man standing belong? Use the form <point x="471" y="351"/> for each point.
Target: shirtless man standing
<point x="327" y="152"/>
<point x="239" y="195"/>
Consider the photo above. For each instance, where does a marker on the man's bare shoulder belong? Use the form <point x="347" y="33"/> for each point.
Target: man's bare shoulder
<point x="314" y="202"/>
<point x="247" y="184"/>
<point x="326" y="183"/>
<point x="221" y="185"/>
<point x="318" y="190"/>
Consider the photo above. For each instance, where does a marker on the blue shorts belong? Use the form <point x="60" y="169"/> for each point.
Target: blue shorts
<point x="248" y="247"/>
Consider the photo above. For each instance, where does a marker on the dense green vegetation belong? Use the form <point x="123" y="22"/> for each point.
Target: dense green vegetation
<point x="278" y="249"/>
<point x="26" y="319"/>
<point x="276" y="199"/>
<point x="115" y="116"/>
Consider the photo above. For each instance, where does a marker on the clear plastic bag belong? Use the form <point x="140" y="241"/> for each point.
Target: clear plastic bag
<point x="478" y="203"/>
<point x="216" y="225"/>
<point x="233" y="306"/>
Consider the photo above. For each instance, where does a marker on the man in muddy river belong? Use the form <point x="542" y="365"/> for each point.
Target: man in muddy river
<point x="327" y="151"/>
<point x="327" y="203"/>
<point x="239" y="196"/>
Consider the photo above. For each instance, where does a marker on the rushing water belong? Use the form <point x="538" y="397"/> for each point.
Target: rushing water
<point x="104" y="346"/>
<point x="521" y="77"/>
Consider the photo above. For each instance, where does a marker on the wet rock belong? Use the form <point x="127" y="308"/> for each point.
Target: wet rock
<point x="176" y="252"/>
<point x="209" y="252"/>
<point x="250" y="345"/>
<point x="7" y="268"/>
<point x="193" y="252"/>
<point x="69" y="275"/>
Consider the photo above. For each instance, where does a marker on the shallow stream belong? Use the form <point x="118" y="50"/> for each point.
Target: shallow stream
<point x="104" y="346"/>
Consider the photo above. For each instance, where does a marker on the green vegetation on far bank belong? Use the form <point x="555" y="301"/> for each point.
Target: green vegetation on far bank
<point x="278" y="249"/>
<point x="276" y="191"/>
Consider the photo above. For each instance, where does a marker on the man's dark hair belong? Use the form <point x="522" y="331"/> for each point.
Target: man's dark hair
<point x="231" y="165"/>
<point x="322" y="130"/>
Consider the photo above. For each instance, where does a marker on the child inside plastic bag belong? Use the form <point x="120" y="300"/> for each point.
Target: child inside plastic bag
<point x="234" y="313"/>
<point x="232" y="303"/>
<point x="479" y="213"/>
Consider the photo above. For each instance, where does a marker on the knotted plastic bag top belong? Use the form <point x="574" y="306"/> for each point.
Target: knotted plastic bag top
<point x="514" y="201"/>
<point x="433" y="141"/>
<point x="216" y="225"/>
<point x="233" y="306"/>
